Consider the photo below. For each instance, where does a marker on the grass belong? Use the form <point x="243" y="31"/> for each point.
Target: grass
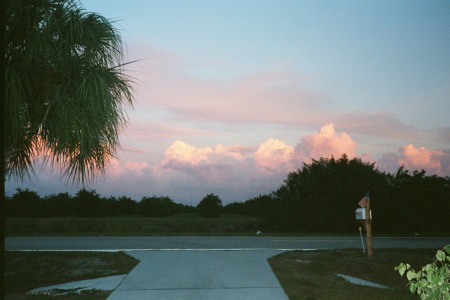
<point x="311" y="275"/>
<point x="25" y="271"/>
<point x="182" y="224"/>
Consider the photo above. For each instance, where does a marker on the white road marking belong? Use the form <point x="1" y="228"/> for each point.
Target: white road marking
<point x="169" y="249"/>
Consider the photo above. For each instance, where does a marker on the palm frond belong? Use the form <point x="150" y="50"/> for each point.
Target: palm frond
<point x="66" y="89"/>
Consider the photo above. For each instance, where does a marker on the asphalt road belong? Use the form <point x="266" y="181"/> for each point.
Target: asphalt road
<point x="215" y="243"/>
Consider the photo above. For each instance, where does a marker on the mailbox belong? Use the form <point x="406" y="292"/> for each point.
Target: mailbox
<point x="360" y="214"/>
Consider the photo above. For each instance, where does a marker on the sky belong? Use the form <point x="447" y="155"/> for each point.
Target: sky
<point x="232" y="95"/>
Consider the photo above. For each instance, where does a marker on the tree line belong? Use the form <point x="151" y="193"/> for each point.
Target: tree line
<point x="89" y="204"/>
<point x="320" y="197"/>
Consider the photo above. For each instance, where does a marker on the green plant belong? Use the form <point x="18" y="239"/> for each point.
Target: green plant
<point x="210" y="206"/>
<point x="433" y="281"/>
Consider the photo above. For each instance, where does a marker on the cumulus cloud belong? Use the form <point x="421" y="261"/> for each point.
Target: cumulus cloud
<point x="211" y="165"/>
<point x="326" y="143"/>
<point x="236" y="152"/>
<point x="274" y="155"/>
<point x="184" y="153"/>
<point x="435" y="162"/>
<point x="241" y="167"/>
<point x="236" y="172"/>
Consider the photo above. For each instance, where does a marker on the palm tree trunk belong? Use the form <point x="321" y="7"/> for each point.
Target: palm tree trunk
<point x="2" y="148"/>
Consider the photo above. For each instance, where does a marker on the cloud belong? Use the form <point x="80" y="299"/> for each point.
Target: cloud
<point x="239" y="167"/>
<point x="326" y="143"/>
<point x="435" y="162"/>
<point x="274" y="156"/>
<point x="276" y="97"/>
<point x="236" y="172"/>
<point x="181" y="152"/>
<point x="210" y="164"/>
<point x="236" y="152"/>
<point x="240" y="172"/>
<point x="270" y="97"/>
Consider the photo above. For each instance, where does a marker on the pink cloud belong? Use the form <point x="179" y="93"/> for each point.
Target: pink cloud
<point x="274" y="155"/>
<point x="256" y="98"/>
<point x="119" y="168"/>
<point x="236" y="152"/>
<point x="381" y="124"/>
<point x="182" y="152"/>
<point x="241" y="171"/>
<point x="137" y="167"/>
<point x="237" y="172"/>
<point x="115" y="168"/>
<point x="326" y="143"/>
<point x="433" y="161"/>
<point x="217" y="166"/>
<point x="151" y="130"/>
<point x="276" y="97"/>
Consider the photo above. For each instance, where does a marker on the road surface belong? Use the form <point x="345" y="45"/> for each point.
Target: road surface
<point x="215" y="243"/>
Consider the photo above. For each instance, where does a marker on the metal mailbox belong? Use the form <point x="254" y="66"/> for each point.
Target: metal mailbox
<point x="360" y="214"/>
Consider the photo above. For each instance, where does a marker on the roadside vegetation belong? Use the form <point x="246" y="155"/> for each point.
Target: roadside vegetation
<point x="319" y="198"/>
<point x="180" y="224"/>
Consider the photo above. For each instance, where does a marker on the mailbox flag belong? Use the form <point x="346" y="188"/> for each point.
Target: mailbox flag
<point x="364" y="200"/>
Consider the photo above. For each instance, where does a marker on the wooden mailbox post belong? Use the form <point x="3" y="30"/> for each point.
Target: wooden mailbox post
<point x="364" y="214"/>
<point x="369" y="229"/>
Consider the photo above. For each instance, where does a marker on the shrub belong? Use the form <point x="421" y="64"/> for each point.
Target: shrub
<point x="433" y="281"/>
<point x="157" y="207"/>
<point x="210" y="206"/>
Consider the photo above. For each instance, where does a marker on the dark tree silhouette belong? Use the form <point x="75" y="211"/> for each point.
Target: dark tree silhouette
<point x="210" y="206"/>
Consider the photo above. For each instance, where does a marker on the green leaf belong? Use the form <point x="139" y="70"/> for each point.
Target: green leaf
<point x="440" y="255"/>
<point x="422" y="283"/>
<point x="412" y="287"/>
<point x="447" y="249"/>
<point x="401" y="268"/>
<point x="411" y="275"/>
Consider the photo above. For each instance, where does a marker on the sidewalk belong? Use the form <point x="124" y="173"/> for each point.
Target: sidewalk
<point x="181" y="274"/>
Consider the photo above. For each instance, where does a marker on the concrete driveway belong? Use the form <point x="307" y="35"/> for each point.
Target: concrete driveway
<point x="205" y="267"/>
<point x="201" y="274"/>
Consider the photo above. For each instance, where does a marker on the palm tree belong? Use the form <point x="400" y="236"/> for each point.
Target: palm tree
<point x="65" y="88"/>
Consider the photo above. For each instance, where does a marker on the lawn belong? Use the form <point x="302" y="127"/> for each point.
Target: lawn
<point x="25" y="271"/>
<point x="312" y="274"/>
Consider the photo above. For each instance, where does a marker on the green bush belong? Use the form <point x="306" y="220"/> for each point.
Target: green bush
<point x="433" y="281"/>
<point x="210" y="206"/>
